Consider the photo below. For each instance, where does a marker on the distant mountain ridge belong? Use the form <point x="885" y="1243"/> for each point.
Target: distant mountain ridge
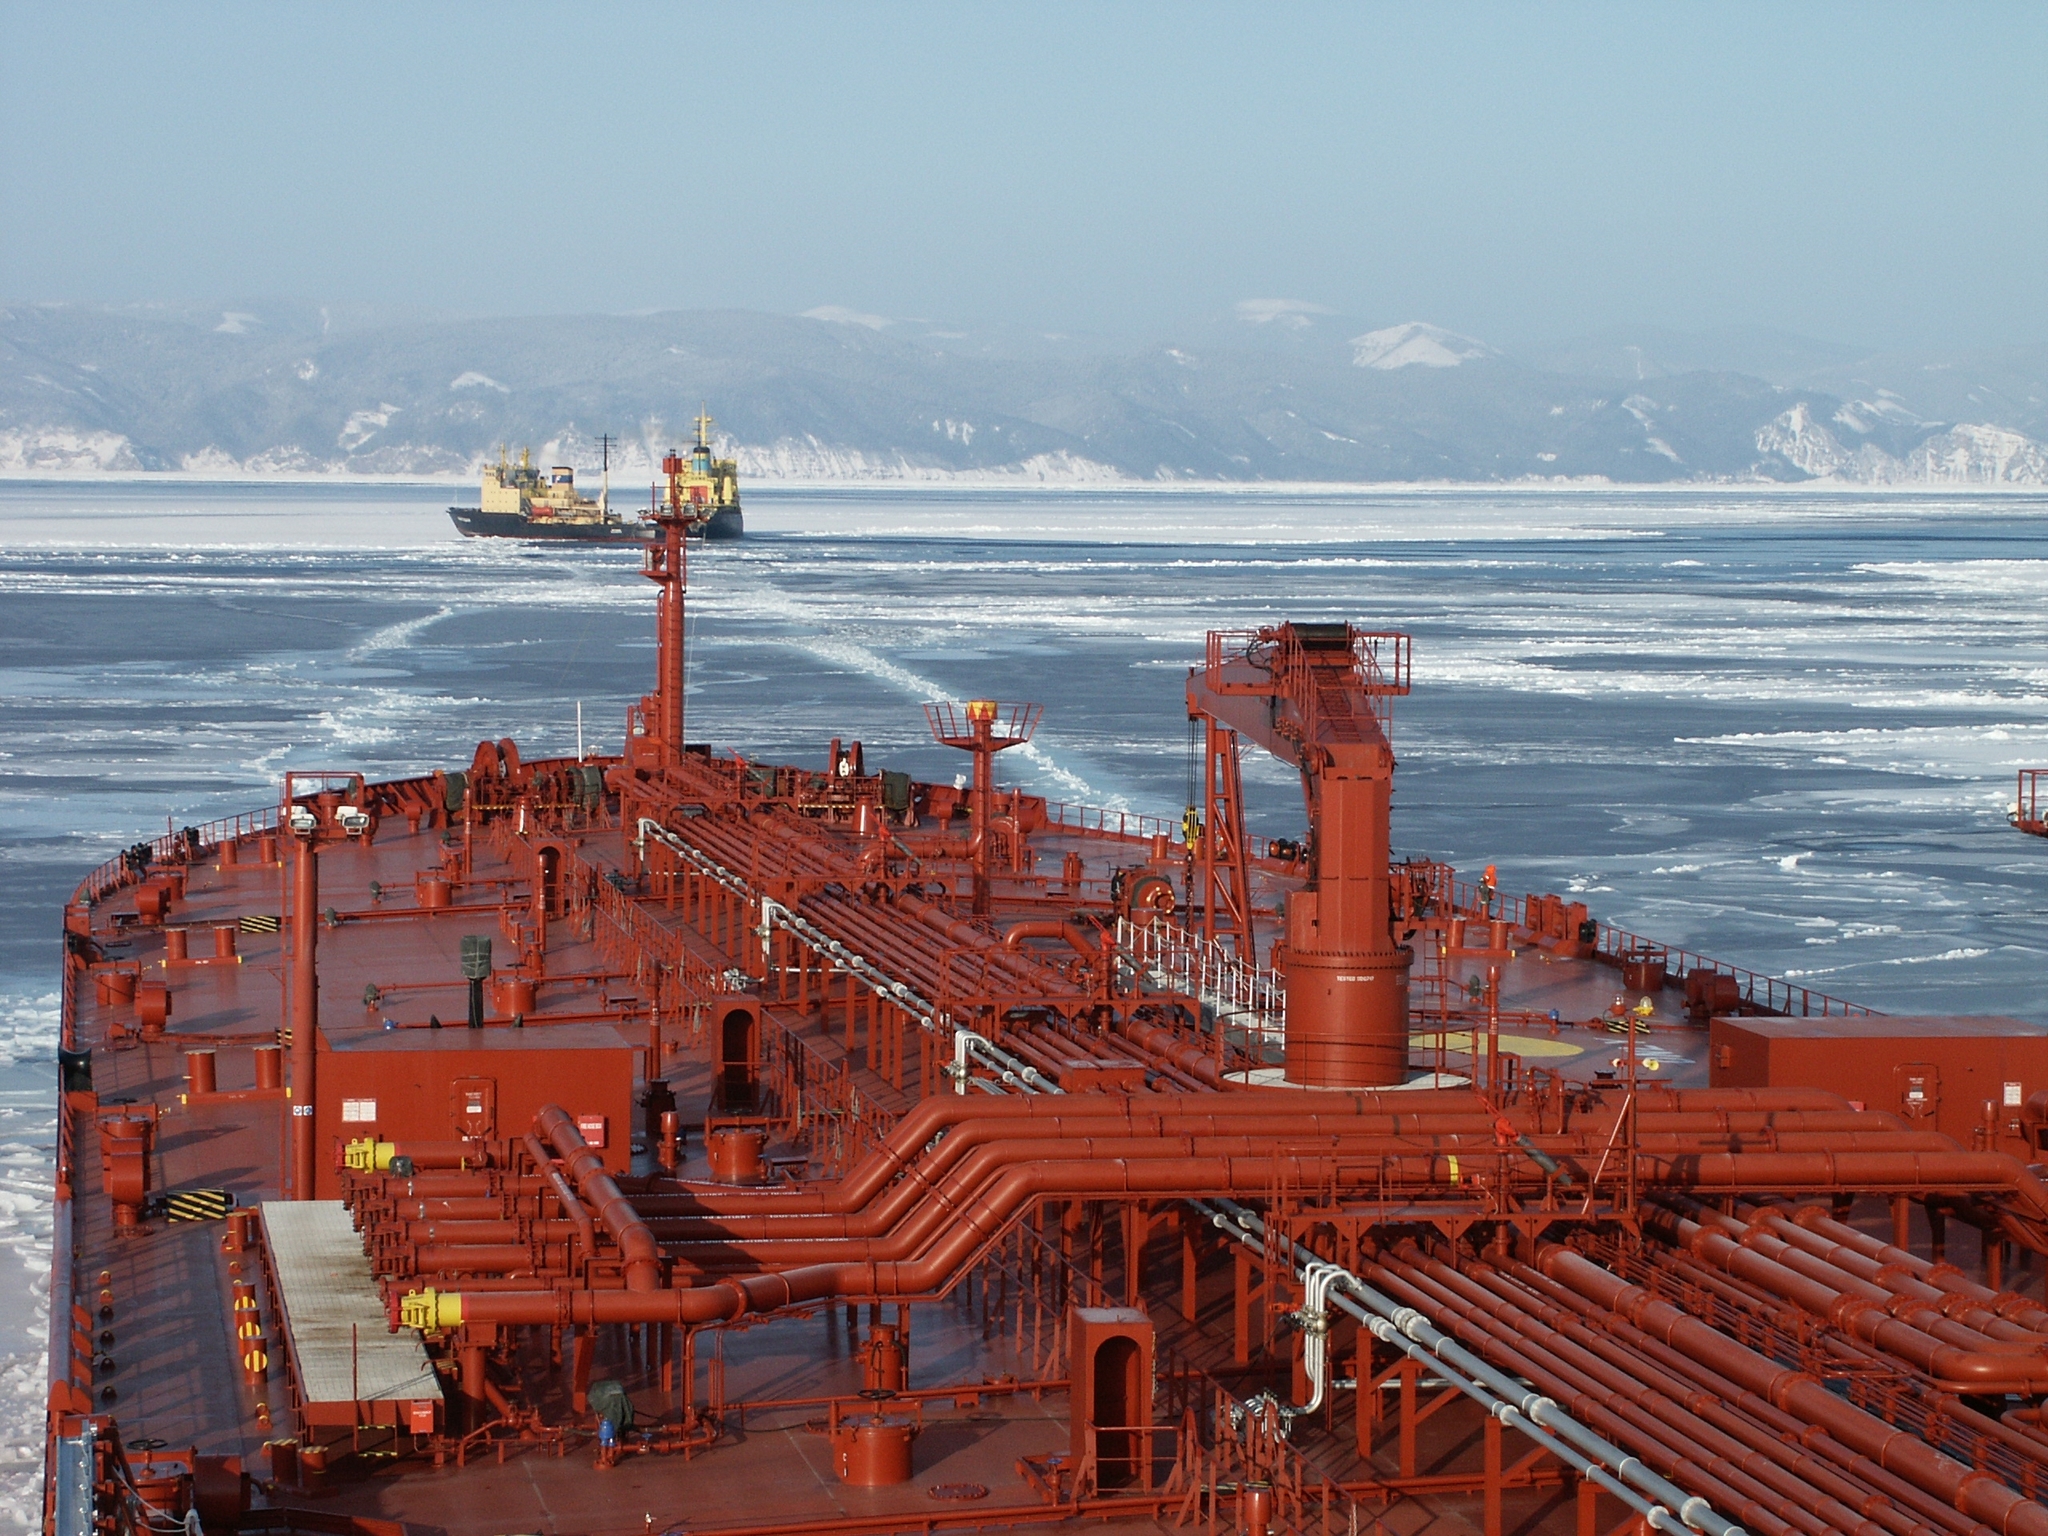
<point x="1278" y="390"/>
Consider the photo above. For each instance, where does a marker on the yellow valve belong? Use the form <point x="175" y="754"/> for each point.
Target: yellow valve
<point x="366" y="1154"/>
<point x="430" y="1311"/>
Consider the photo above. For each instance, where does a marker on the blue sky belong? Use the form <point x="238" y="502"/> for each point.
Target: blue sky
<point x="1872" y="174"/>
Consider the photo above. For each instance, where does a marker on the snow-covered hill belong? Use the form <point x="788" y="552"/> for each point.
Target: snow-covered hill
<point x="1275" y="390"/>
<point x="1962" y="455"/>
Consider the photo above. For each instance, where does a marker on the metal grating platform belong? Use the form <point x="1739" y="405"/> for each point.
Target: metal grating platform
<point x="341" y="1344"/>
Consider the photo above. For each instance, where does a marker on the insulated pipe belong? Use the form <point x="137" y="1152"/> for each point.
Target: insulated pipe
<point x="1998" y="1368"/>
<point x="897" y="928"/>
<point x="1850" y="1476"/>
<point x="1528" y="1318"/>
<point x="839" y="931"/>
<point x="595" y="1185"/>
<point x="1720" y="1400"/>
<point x="1977" y="1494"/>
<point x="1013" y="1072"/>
<point x="1038" y="1054"/>
<point x="1678" y="1444"/>
<point x="1505" y="1398"/>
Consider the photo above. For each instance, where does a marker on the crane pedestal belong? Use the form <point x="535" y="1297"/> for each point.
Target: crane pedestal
<point x="1347" y="1018"/>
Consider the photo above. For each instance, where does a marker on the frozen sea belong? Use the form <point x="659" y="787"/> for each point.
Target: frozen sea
<point x="1779" y="728"/>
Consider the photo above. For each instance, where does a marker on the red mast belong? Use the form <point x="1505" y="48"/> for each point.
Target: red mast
<point x="668" y="565"/>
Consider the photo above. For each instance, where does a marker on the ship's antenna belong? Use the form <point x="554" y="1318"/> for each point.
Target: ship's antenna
<point x="604" y="509"/>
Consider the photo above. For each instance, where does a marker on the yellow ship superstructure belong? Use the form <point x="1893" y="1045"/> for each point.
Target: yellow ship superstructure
<point x="521" y="490"/>
<point x="519" y="501"/>
<point x="703" y="488"/>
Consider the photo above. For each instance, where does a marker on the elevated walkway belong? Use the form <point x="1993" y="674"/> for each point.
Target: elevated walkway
<point x="347" y="1364"/>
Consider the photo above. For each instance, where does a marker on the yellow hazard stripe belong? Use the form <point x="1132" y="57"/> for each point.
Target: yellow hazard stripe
<point x="258" y="922"/>
<point x="198" y="1205"/>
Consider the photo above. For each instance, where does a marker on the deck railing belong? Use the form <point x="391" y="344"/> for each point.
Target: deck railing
<point x="1771" y="994"/>
<point x="2030" y="805"/>
<point x="1247" y="1003"/>
<point x="1138" y="827"/>
<point x="166" y="848"/>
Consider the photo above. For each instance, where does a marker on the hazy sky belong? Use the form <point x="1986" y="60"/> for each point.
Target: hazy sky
<point x="1876" y="174"/>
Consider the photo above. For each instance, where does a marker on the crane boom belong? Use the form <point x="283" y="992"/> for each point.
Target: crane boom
<point x="1319" y="696"/>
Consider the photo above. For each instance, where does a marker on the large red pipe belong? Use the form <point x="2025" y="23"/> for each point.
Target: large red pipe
<point x="465" y="1208"/>
<point x="935" y="1184"/>
<point x="1951" y="1318"/>
<point x="1605" y="1395"/>
<point x="908" y="1215"/>
<point x="1977" y="1494"/>
<point x="602" y="1194"/>
<point x="491" y="1259"/>
<point x="572" y="1207"/>
<point x="966" y="1235"/>
<point x="969" y="1117"/>
<point x="1566" y="1322"/>
<point x="1907" y="1173"/>
<point x="1711" y="1112"/>
<point x="1992" y="1368"/>
<point x="1942" y="1279"/>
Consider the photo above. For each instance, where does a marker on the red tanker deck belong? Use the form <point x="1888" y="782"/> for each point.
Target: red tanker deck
<point x="672" y="1142"/>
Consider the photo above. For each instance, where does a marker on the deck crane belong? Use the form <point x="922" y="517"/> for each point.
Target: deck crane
<point x="1318" y="696"/>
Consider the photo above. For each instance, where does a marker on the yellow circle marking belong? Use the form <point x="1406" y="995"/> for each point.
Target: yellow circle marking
<point x="1461" y="1041"/>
